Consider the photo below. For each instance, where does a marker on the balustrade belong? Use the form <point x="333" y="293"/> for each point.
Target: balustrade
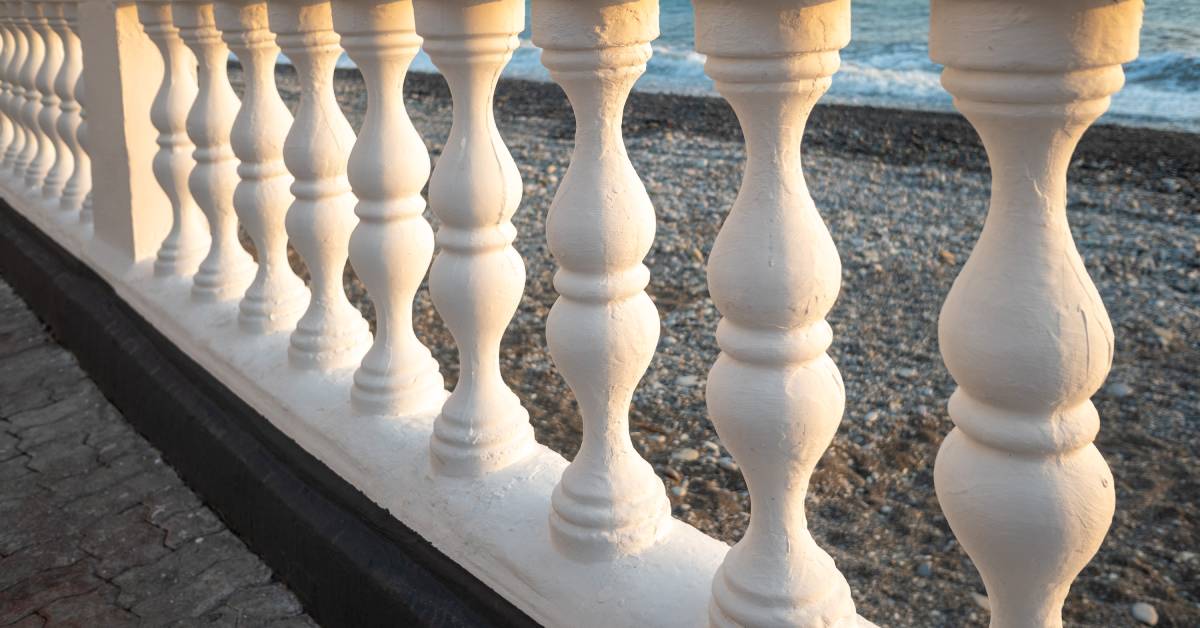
<point x="331" y="333"/>
<point x="74" y="163"/>
<point x="392" y="244"/>
<point x="1023" y="331"/>
<point x="774" y="395"/>
<point x="188" y="240"/>
<point x="276" y="297"/>
<point x="477" y="279"/>
<point x="603" y="329"/>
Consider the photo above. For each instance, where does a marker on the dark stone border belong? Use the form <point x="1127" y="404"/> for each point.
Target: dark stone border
<point x="347" y="559"/>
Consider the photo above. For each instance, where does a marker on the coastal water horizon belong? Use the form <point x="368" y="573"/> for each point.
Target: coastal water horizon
<point x="887" y="63"/>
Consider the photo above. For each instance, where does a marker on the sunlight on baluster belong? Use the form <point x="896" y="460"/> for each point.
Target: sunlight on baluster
<point x="59" y="157"/>
<point x="774" y="395"/>
<point x="79" y="170"/>
<point x="603" y="329"/>
<point x="8" y="51"/>
<point x="30" y="100"/>
<point x="42" y="102"/>
<point x="1023" y="331"/>
<point x="331" y="333"/>
<point x="477" y="279"/>
<point x="276" y="298"/>
<point x="188" y="240"/>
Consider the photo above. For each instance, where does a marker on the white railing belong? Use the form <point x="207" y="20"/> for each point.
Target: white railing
<point x="179" y="162"/>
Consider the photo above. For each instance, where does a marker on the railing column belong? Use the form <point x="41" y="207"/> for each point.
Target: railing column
<point x="75" y="163"/>
<point x="46" y="59"/>
<point x="8" y="46"/>
<point x="188" y="240"/>
<point x="227" y="269"/>
<point x="15" y="91"/>
<point x="603" y="329"/>
<point x="478" y="277"/>
<point x="58" y="159"/>
<point x="331" y="333"/>
<point x="391" y="246"/>
<point x="30" y="101"/>
<point x="276" y="298"/>
<point x="1023" y="330"/>
<point x="774" y="395"/>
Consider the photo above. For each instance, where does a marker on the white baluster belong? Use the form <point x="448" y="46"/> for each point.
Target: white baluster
<point x="774" y="395"/>
<point x="277" y="297"/>
<point x="331" y="333"/>
<point x="603" y="329"/>
<point x="227" y="270"/>
<point x="42" y="101"/>
<point x="59" y="160"/>
<point x="392" y="244"/>
<point x="477" y="278"/>
<point x="8" y="44"/>
<point x="16" y="94"/>
<point x="79" y="170"/>
<point x="188" y="241"/>
<point x="30" y="100"/>
<point x="83" y="167"/>
<point x="1023" y="330"/>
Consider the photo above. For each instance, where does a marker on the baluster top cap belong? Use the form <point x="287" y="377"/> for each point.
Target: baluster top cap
<point x="768" y="28"/>
<point x="1034" y="35"/>
<point x="593" y="24"/>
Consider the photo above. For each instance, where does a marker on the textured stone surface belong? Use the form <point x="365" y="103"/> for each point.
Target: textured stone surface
<point x="95" y="529"/>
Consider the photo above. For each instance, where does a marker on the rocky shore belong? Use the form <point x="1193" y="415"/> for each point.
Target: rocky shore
<point x="904" y="194"/>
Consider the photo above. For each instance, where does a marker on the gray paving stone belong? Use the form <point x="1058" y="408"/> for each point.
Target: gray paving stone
<point x="95" y="529"/>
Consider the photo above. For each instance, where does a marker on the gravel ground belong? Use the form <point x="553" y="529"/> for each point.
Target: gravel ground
<point x="904" y="195"/>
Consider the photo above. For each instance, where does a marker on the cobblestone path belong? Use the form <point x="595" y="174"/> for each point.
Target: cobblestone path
<point x="95" y="529"/>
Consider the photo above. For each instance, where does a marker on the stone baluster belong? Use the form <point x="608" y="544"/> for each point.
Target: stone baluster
<point x="30" y="101"/>
<point x="8" y="46"/>
<point x="774" y="395"/>
<point x="42" y="101"/>
<point x="227" y="270"/>
<point x="188" y="241"/>
<point x="477" y="279"/>
<point x="392" y="244"/>
<point x="276" y="298"/>
<point x="331" y="333"/>
<point x="83" y="167"/>
<point x="603" y="329"/>
<point x="59" y="162"/>
<point x="79" y="170"/>
<point x="1023" y="330"/>
<point x="15" y="101"/>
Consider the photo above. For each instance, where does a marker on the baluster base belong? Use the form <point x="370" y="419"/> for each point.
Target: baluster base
<point x="398" y="392"/>
<point x="598" y="517"/>
<point x="316" y="346"/>
<point x="460" y="448"/>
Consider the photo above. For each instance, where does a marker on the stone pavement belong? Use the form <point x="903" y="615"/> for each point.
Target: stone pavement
<point x="95" y="529"/>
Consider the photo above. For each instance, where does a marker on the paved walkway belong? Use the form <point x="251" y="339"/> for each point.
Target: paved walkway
<point x="95" y="529"/>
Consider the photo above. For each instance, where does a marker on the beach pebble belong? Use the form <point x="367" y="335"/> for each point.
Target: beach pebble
<point x="687" y="380"/>
<point x="1144" y="613"/>
<point x="982" y="601"/>
<point x="871" y="416"/>
<point x="686" y="455"/>
<point x="711" y="446"/>
<point x="727" y="463"/>
<point x="679" y="491"/>
<point x="925" y="569"/>
<point x="907" y="373"/>
<point x="1120" y="390"/>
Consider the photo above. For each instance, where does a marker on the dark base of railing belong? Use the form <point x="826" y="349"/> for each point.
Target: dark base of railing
<point x="348" y="560"/>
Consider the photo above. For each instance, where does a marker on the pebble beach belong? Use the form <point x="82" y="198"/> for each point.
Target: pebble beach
<point x="904" y="194"/>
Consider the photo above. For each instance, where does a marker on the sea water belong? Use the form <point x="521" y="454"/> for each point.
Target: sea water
<point x="887" y="62"/>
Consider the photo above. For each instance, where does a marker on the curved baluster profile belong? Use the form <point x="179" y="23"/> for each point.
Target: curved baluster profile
<point x="477" y="279"/>
<point x="1023" y="331"/>
<point x="79" y="171"/>
<point x="331" y="333"/>
<point x="774" y="395"/>
<point x="391" y="246"/>
<point x="8" y="45"/>
<point x="30" y="101"/>
<point x="42" y="103"/>
<point x="276" y="297"/>
<point x="188" y="241"/>
<point x="603" y="329"/>
<point x="227" y="269"/>
<point x="59" y="160"/>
